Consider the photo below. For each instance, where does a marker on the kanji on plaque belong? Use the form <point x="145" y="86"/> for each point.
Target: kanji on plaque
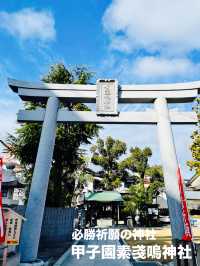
<point x="107" y="97"/>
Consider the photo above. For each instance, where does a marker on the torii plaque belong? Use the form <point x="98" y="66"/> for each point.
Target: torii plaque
<point x="107" y="97"/>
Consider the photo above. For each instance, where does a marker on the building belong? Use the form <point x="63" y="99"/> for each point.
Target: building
<point x="194" y="183"/>
<point x="193" y="193"/>
<point x="13" y="188"/>
<point x="192" y="196"/>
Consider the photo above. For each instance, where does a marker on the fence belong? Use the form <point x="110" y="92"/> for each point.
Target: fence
<point x="57" y="224"/>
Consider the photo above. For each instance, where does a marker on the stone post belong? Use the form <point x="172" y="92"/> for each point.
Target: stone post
<point x="170" y="168"/>
<point x="35" y="208"/>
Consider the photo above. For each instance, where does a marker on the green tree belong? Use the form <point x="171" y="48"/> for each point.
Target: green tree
<point x="135" y="200"/>
<point x="155" y="172"/>
<point x="137" y="161"/>
<point x="138" y="196"/>
<point x="67" y="157"/>
<point x="81" y="178"/>
<point x="194" y="164"/>
<point x="106" y="154"/>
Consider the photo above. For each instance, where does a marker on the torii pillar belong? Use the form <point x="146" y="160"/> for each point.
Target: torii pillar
<point x="36" y="202"/>
<point x="170" y="167"/>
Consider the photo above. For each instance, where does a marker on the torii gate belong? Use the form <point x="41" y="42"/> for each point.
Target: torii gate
<point x="53" y="94"/>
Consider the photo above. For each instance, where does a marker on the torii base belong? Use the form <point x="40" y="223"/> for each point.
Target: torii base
<point x="35" y="263"/>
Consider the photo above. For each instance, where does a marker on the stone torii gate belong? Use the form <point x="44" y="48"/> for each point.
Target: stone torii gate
<point x="106" y="94"/>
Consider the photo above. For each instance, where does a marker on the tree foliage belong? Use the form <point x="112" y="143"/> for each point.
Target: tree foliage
<point x="114" y="169"/>
<point x="136" y="199"/>
<point x="106" y="154"/>
<point x="194" y="164"/>
<point x="137" y="161"/>
<point x="67" y="157"/>
<point x="138" y="196"/>
<point x="155" y="172"/>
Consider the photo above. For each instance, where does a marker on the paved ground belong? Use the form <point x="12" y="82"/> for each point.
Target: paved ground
<point x="53" y="250"/>
<point x="11" y="261"/>
<point x="85" y="261"/>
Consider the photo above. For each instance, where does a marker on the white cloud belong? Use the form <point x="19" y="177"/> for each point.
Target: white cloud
<point x="8" y="115"/>
<point x="8" y="123"/>
<point x="155" y="38"/>
<point x="172" y="25"/>
<point x="156" y="68"/>
<point x="29" y="24"/>
<point x="143" y="69"/>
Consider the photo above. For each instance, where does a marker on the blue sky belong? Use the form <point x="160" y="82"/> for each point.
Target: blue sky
<point x="134" y="41"/>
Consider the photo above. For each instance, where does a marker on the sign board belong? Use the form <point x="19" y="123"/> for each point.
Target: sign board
<point x="107" y="97"/>
<point x="13" y="226"/>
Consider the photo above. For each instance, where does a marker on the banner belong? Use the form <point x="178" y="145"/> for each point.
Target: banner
<point x="2" y="223"/>
<point x="186" y="219"/>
